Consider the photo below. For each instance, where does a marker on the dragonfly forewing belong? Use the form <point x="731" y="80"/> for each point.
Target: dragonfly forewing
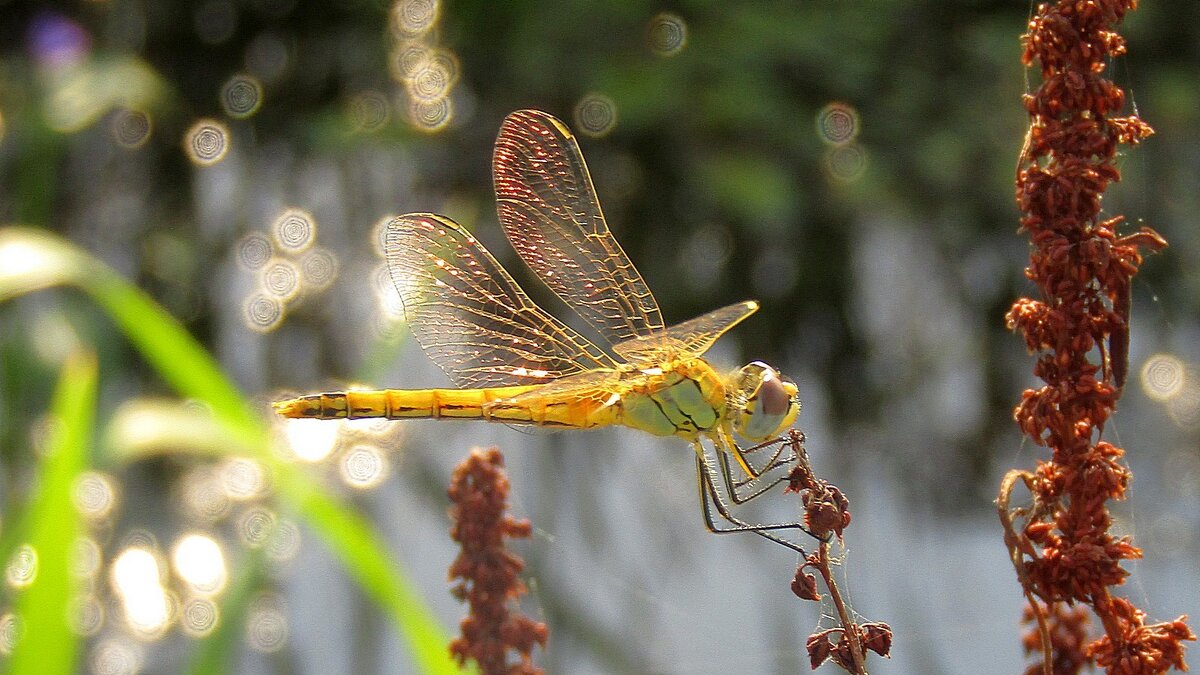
<point x="471" y="317"/>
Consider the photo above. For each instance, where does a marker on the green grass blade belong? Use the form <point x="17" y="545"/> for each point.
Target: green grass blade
<point x="32" y="259"/>
<point x="173" y="352"/>
<point x="48" y="645"/>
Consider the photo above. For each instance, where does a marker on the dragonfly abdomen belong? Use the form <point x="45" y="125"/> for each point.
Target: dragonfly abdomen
<point x="491" y="404"/>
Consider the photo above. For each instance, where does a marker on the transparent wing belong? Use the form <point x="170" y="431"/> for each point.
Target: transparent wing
<point x="690" y="338"/>
<point x="550" y="213"/>
<point x="469" y="315"/>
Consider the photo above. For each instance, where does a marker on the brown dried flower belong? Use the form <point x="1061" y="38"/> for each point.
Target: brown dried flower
<point x="1065" y="553"/>
<point x="487" y="571"/>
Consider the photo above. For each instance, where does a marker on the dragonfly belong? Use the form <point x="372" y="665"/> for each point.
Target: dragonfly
<point x="515" y="363"/>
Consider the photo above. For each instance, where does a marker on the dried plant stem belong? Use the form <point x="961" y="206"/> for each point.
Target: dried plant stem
<point x="826" y="516"/>
<point x="856" y="648"/>
<point x="1018" y="547"/>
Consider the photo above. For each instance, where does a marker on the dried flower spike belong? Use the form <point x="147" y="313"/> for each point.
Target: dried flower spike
<point x="488" y="573"/>
<point x="1064" y="553"/>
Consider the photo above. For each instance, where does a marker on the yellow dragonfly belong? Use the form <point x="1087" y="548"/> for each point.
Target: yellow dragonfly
<point x="515" y="363"/>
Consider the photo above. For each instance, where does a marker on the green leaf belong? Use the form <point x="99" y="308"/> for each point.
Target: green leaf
<point x="32" y="259"/>
<point x="47" y="643"/>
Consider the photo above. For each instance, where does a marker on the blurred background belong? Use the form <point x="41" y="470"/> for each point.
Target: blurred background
<point x="849" y="163"/>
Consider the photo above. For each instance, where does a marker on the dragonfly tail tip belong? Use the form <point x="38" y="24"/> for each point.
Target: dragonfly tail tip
<point x="289" y="408"/>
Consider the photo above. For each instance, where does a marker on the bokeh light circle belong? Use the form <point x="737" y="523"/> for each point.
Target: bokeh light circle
<point x="412" y="17"/>
<point x="369" y="111"/>
<point x="112" y="657"/>
<point x="199" y="561"/>
<point x="254" y="251"/>
<point x="294" y="230"/>
<point x="95" y="494"/>
<point x="10" y="632"/>
<point x="86" y="558"/>
<point x="86" y="614"/>
<point x="203" y="496"/>
<point x="379" y="237"/>
<point x="131" y="128"/>
<point x="1162" y="377"/>
<point x="284" y="543"/>
<point x="363" y="466"/>
<point x="255" y="526"/>
<point x="318" y="268"/>
<point x="430" y="116"/>
<point x="388" y="326"/>
<point x="838" y="123"/>
<point x="846" y="163"/>
<point x="263" y="313"/>
<point x="199" y="616"/>
<point x="22" y="567"/>
<point x="136" y="576"/>
<point x="266" y="629"/>
<point x="431" y="82"/>
<point x="595" y="115"/>
<point x="407" y="59"/>
<point x="206" y="142"/>
<point x="281" y="279"/>
<point x="433" y="76"/>
<point x="243" y="478"/>
<point x="385" y="291"/>
<point x="666" y="34"/>
<point x="241" y="96"/>
<point x="139" y="538"/>
<point x="1184" y="407"/>
<point x="312" y="440"/>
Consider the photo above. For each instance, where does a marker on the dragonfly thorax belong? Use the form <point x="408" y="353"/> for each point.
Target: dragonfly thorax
<point x="762" y="402"/>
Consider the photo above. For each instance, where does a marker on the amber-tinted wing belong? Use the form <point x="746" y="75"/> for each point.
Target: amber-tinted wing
<point x="690" y="338"/>
<point x="550" y="213"/>
<point x="471" y="317"/>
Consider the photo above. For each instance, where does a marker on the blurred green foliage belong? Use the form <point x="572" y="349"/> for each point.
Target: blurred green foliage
<point x="53" y="523"/>
<point x="33" y="261"/>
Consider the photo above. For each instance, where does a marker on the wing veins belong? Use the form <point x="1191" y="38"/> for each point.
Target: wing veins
<point x="551" y="215"/>
<point x="628" y="307"/>
<point x="470" y="316"/>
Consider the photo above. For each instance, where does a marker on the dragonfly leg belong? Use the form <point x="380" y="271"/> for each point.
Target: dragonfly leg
<point x="789" y="440"/>
<point x="776" y="460"/>
<point x="734" y="487"/>
<point x="730" y="446"/>
<point x="706" y="485"/>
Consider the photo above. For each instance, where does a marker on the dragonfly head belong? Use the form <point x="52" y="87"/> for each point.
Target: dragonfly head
<point x="764" y="402"/>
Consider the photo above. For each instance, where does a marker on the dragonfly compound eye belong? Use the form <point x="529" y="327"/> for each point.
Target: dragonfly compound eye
<point x="768" y="402"/>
